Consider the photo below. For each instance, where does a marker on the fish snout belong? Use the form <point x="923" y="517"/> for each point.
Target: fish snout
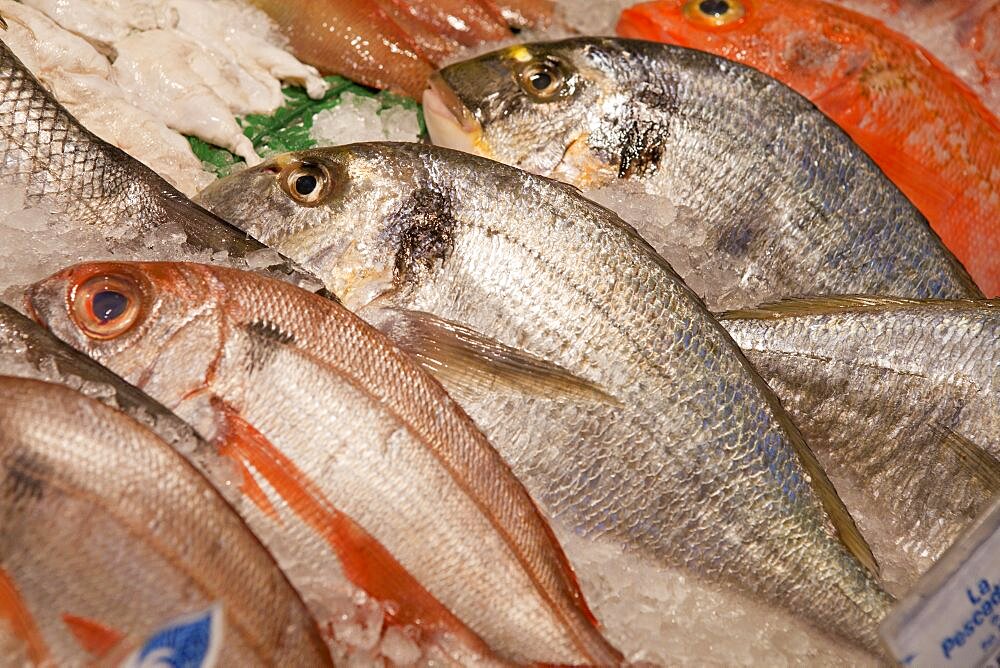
<point x="450" y="123"/>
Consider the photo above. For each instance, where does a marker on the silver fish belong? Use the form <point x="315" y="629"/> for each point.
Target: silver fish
<point x="614" y="395"/>
<point x="74" y="174"/>
<point x="107" y="536"/>
<point x="900" y="400"/>
<point x="757" y="195"/>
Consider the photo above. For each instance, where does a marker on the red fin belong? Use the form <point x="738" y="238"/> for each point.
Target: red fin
<point x="365" y="561"/>
<point x="249" y="486"/>
<point x="95" y="638"/>
<point x="13" y="609"/>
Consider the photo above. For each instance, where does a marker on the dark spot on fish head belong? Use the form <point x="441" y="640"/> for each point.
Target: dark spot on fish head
<point x="25" y="478"/>
<point x="422" y="232"/>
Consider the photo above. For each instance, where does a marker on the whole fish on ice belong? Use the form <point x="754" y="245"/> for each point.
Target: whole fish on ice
<point x="112" y="545"/>
<point x="928" y="132"/>
<point x="359" y="465"/>
<point x="750" y="183"/>
<point x="622" y="404"/>
<point x="899" y="398"/>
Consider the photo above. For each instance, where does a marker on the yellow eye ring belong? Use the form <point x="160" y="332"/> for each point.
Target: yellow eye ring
<point x="714" y="13"/>
<point x="306" y="183"/>
<point x="541" y="80"/>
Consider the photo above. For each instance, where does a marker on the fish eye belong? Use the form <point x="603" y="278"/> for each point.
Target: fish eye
<point x="106" y="305"/>
<point x="542" y="80"/>
<point x="306" y="183"/>
<point x="714" y="13"/>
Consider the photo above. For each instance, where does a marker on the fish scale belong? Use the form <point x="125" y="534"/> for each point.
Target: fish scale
<point x="105" y="522"/>
<point x="649" y="454"/>
<point x="380" y="473"/>
<point x="876" y="386"/>
<point x="770" y="198"/>
<point x="70" y="172"/>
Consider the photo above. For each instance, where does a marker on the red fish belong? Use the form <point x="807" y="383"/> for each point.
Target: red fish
<point x="465" y="21"/>
<point x="924" y="127"/>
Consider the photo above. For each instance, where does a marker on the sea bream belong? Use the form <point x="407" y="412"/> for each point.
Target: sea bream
<point x="114" y="548"/>
<point x="753" y="194"/>
<point x="617" y="399"/>
<point x="358" y="465"/>
<point x="900" y="400"/>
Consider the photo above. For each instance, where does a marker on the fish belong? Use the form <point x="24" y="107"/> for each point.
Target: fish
<point x="899" y="398"/>
<point x="85" y="577"/>
<point x="355" y="39"/>
<point x="28" y="350"/>
<point x="963" y="34"/>
<point x="526" y="14"/>
<point x="751" y="185"/>
<point x="356" y="459"/>
<point x="918" y="121"/>
<point x="70" y="172"/>
<point x="467" y="22"/>
<point x="620" y="402"/>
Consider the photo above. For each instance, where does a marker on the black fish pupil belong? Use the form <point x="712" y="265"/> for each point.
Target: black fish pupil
<point x="714" y="7"/>
<point x="305" y="184"/>
<point x="541" y="80"/>
<point x="109" y="305"/>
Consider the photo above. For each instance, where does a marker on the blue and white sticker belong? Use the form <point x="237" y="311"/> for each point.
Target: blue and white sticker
<point x="192" y="641"/>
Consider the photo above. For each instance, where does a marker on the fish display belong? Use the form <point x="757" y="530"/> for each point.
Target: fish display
<point x="86" y="577"/>
<point x="919" y="122"/>
<point x="71" y="172"/>
<point x="756" y="187"/>
<point x="622" y="405"/>
<point x="354" y="458"/>
<point x="895" y="396"/>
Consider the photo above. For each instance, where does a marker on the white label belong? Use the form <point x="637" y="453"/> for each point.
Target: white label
<point x="953" y="616"/>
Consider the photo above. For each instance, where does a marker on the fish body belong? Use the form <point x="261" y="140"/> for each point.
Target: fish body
<point x="67" y="170"/>
<point x="621" y="403"/>
<point x="751" y="185"/>
<point x="108" y="535"/>
<point x="919" y="122"/>
<point x="893" y="395"/>
<point x="357" y="39"/>
<point x="530" y="14"/>
<point x="468" y="22"/>
<point x="359" y="464"/>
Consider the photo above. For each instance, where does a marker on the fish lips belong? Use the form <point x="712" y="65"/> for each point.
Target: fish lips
<point x="450" y="123"/>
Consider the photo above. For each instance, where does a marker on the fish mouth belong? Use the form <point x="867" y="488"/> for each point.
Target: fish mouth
<point x="449" y="122"/>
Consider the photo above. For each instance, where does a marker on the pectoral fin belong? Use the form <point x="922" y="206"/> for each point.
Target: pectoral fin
<point x="977" y="461"/>
<point x="473" y="364"/>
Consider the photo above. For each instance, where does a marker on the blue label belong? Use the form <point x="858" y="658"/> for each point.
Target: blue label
<point x="192" y="641"/>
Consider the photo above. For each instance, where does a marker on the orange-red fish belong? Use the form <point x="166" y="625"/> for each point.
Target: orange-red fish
<point x="465" y="21"/>
<point x="356" y="39"/>
<point x="923" y="126"/>
<point x="533" y="14"/>
<point x="357" y="464"/>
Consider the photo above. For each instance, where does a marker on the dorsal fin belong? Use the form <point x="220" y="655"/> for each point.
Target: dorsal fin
<point x="802" y="306"/>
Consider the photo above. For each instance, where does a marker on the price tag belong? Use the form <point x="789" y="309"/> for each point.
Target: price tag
<point x="952" y="616"/>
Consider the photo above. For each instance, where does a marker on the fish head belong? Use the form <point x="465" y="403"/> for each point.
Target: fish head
<point x="533" y="106"/>
<point x="806" y="45"/>
<point x="147" y="322"/>
<point x="344" y="213"/>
